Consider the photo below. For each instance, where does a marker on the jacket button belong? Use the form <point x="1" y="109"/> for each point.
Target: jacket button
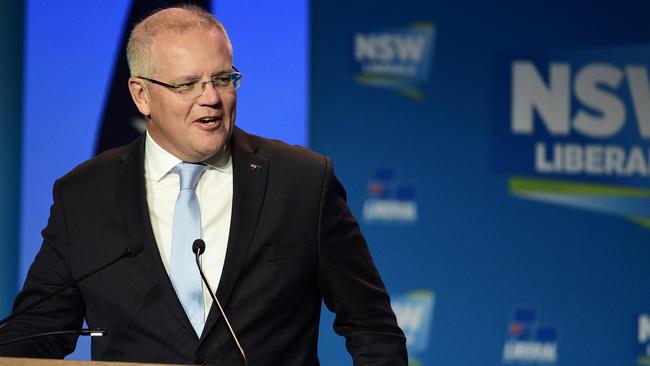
<point x="200" y="360"/>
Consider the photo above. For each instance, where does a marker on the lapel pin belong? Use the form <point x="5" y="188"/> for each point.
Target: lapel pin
<point x="256" y="168"/>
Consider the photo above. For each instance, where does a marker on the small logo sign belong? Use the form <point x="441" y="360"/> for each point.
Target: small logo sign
<point x="529" y="342"/>
<point x="414" y="312"/>
<point x="389" y="201"/>
<point x="398" y="58"/>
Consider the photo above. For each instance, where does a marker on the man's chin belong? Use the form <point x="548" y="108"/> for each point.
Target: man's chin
<point x="211" y="152"/>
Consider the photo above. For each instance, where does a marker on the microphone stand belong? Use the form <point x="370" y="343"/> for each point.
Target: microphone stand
<point x="198" y="247"/>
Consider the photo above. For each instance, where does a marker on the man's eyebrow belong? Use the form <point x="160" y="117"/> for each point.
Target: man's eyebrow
<point x="222" y="72"/>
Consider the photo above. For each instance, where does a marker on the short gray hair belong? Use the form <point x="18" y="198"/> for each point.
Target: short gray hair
<point x="138" y="49"/>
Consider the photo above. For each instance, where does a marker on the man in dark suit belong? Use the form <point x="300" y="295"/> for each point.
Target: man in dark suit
<point x="279" y="236"/>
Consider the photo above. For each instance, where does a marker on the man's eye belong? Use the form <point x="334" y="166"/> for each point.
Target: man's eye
<point x="184" y="87"/>
<point x="222" y="80"/>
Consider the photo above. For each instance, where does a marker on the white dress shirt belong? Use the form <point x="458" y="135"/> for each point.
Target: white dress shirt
<point x="214" y="191"/>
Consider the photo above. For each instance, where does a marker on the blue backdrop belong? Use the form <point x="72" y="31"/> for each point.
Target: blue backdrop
<point x="495" y="154"/>
<point x="496" y="250"/>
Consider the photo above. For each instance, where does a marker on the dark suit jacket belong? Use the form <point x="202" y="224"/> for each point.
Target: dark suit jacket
<point x="293" y="242"/>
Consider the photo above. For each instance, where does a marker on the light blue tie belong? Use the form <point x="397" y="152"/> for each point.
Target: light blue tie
<point x="187" y="228"/>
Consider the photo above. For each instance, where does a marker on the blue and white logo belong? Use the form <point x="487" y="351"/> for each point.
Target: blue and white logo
<point x="414" y="312"/>
<point x="389" y="200"/>
<point x="643" y="357"/>
<point x="527" y="341"/>
<point x="587" y="142"/>
<point x="398" y="58"/>
<point x="576" y="130"/>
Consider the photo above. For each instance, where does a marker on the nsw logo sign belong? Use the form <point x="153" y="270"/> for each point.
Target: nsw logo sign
<point x="576" y="128"/>
<point x="396" y="58"/>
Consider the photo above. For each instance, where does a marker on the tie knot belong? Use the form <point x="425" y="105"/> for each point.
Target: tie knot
<point x="189" y="174"/>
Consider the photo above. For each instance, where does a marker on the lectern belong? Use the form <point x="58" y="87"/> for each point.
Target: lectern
<point x="10" y="361"/>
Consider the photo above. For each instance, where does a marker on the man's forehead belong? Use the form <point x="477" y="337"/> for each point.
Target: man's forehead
<point x="172" y="49"/>
<point x="170" y="39"/>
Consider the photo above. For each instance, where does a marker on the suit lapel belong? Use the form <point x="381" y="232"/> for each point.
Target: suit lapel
<point x="250" y="173"/>
<point x="131" y="197"/>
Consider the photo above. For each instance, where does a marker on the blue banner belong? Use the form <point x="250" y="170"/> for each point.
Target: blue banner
<point x="496" y="155"/>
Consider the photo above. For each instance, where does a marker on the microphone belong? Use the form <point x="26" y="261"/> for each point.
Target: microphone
<point x="198" y="247"/>
<point x="92" y="332"/>
<point x="127" y="253"/>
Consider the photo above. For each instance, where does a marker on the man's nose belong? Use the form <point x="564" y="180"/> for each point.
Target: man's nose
<point x="210" y="95"/>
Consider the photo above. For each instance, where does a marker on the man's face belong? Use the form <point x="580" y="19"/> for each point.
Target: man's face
<point x="197" y="129"/>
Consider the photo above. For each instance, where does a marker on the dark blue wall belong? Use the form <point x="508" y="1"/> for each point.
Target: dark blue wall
<point x="490" y="259"/>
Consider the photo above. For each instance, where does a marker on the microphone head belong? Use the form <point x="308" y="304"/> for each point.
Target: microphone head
<point x="198" y="247"/>
<point x="134" y="250"/>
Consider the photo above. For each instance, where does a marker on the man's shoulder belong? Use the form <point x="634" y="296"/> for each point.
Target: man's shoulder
<point x="279" y="152"/>
<point x="104" y="165"/>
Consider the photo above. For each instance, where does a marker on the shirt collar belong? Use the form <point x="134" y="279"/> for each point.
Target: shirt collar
<point x="160" y="161"/>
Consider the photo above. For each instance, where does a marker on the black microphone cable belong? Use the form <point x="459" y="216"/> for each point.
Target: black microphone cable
<point x="92" y="332"/>
<point x="128" y="253"/>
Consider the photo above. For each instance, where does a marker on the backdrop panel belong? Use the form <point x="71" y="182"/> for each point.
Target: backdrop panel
<point x="11" y="44"/>
<point x="496" y="156"/>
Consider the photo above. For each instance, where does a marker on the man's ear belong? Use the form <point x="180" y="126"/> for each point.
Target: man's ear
<point x="140" y="95"/>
